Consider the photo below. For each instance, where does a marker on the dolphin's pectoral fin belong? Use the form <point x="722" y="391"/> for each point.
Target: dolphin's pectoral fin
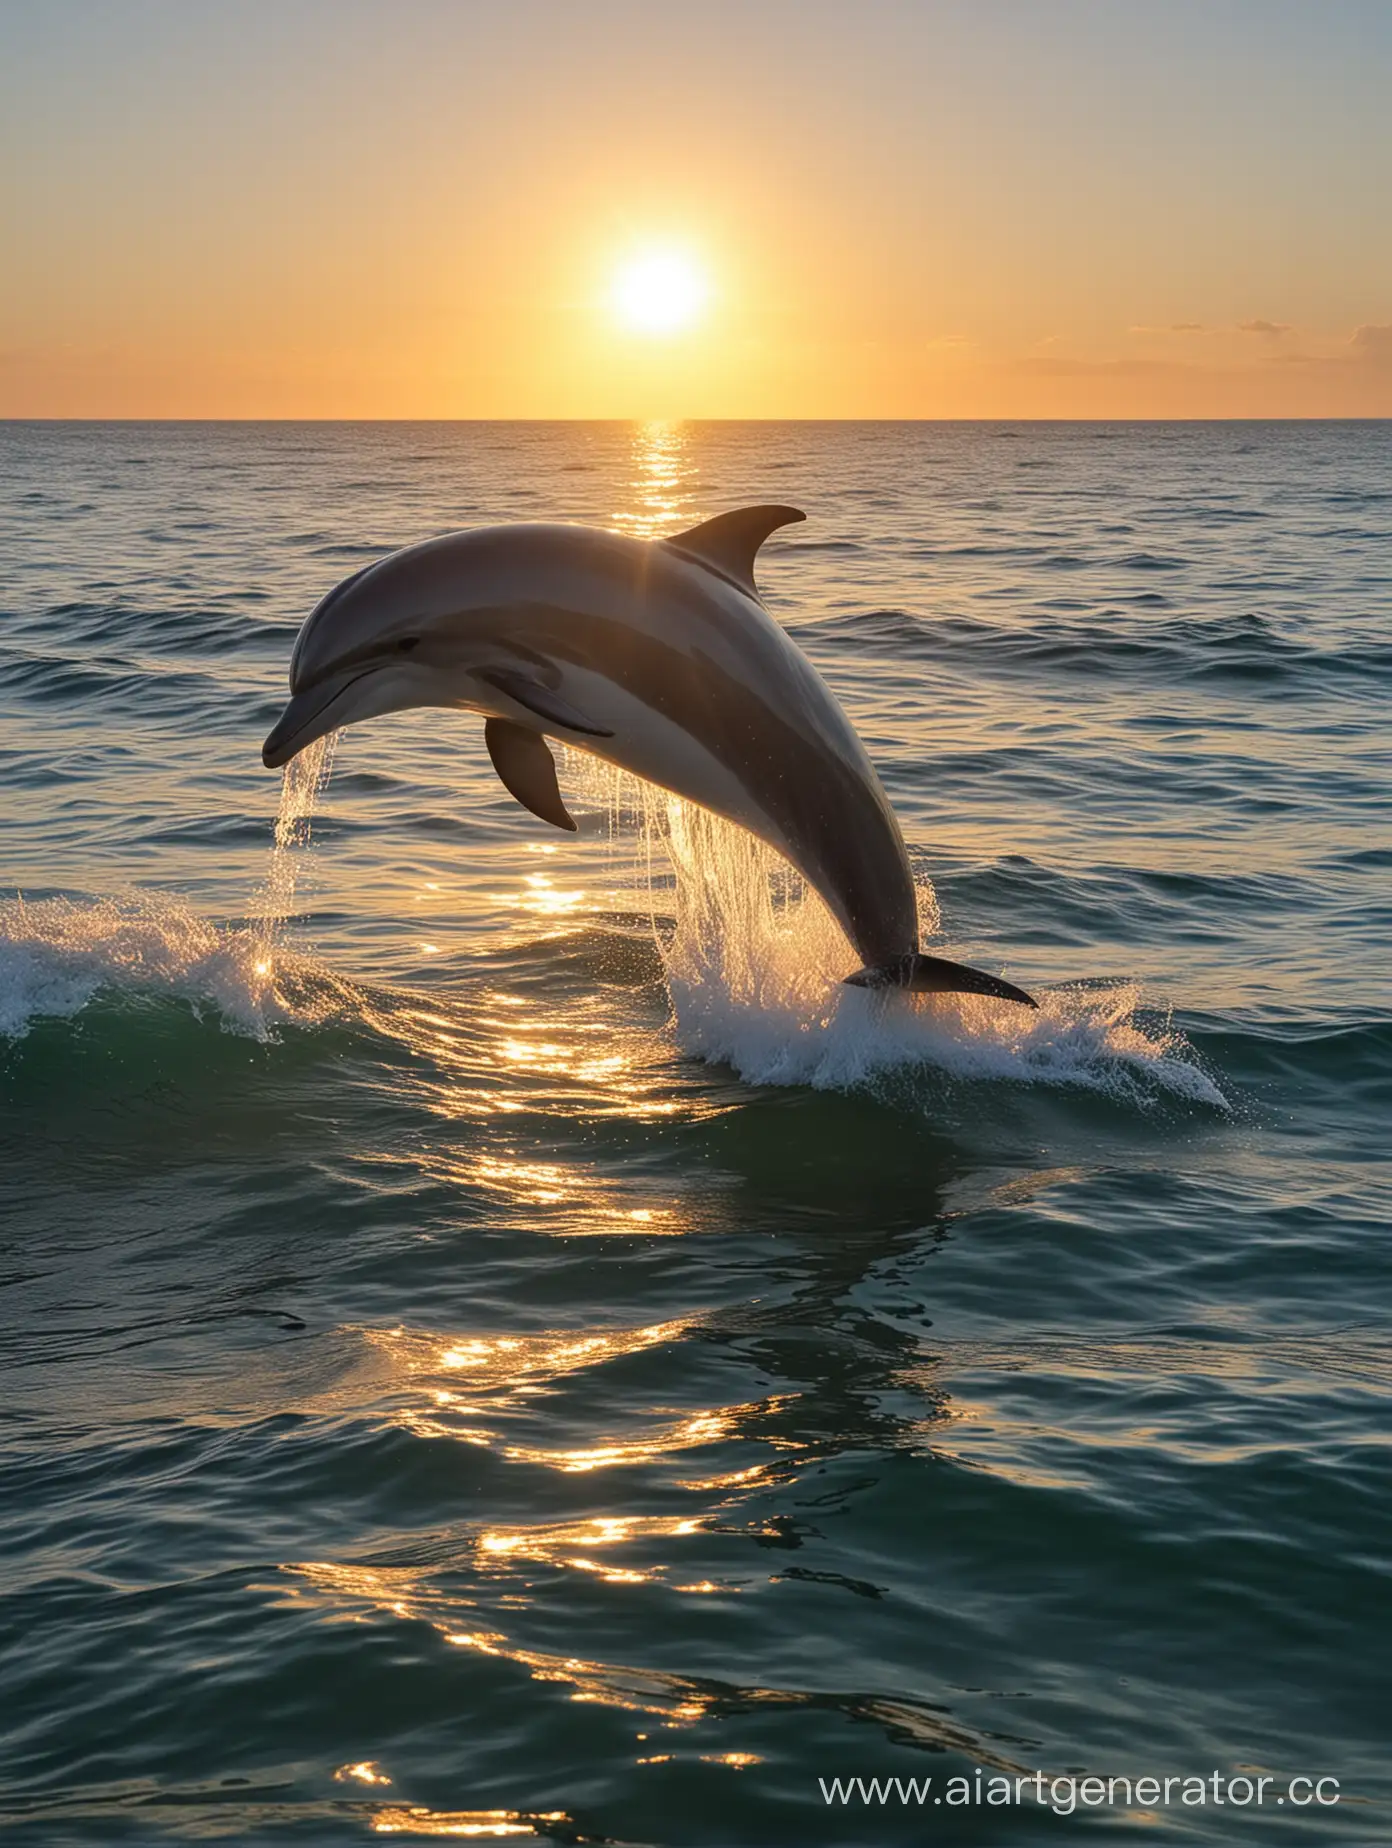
<point x="934" y="975"/>
<point x="527" y="770"/>
<point x="544" y="701"/>
<point x="730" y="540"/>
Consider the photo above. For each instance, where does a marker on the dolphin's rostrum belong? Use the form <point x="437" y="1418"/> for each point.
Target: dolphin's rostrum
<point x="656" y="655"/>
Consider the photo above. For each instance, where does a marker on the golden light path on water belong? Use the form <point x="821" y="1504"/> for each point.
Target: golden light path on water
<point x="663" y="497"/>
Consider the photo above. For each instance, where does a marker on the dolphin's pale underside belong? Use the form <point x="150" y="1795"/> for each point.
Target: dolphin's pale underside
<point x="656" y="655"/>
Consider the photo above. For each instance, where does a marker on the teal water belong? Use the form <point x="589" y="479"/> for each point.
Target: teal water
<point x="493" y="1342"/>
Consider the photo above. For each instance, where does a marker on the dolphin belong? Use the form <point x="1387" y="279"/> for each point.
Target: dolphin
<point x="656" y="655"/>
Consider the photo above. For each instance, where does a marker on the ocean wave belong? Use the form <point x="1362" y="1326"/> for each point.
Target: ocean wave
<point x="1352" y="1059"/>
<point x="58" y="954"/>
<point x="756" y="965"/>
<point x="1082" y="1039"/>
<point x="55" y="680"/>
<point x="1106" y="643"/>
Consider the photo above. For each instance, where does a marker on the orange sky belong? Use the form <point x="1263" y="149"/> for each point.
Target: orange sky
<point x="347" y="208"/>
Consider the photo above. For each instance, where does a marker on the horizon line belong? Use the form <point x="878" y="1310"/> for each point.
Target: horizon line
<point x="1311" y="418"/>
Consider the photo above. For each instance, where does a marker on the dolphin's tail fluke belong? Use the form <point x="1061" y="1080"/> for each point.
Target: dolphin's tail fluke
<point x="934" y="975"/>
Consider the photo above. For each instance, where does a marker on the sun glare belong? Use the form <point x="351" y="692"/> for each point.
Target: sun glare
<point x="660" y="292"/>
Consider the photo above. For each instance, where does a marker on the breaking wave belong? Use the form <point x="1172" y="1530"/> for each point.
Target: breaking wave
<point x="756" y="967"/>
<point x="59" y="953"/>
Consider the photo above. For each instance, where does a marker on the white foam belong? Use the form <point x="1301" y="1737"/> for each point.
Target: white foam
<point x="57" y="954"/>
<point x="756" y="966"/>
<point x="847" y="1037"/>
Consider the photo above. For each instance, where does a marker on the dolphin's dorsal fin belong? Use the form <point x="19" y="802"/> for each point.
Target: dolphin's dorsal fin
<point x="730" y="541"/>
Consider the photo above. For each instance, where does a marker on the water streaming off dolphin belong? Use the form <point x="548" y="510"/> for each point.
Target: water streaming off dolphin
<point x="498" y="1340"/>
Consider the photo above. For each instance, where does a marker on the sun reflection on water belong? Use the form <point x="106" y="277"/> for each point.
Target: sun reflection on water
<point x="558" y="1198"/>
<point x="409" y="1596"/>
<point x="543" y="898"/>
<point x="415" y="1819"/>
<point x="691" y="1433"/>
<point x="367" y="1771"/>
<point x="483" y="1390"/>
<point x="661" y="504"/>
<point x="495" y="1053"/>
<point x="509" y="1361"/>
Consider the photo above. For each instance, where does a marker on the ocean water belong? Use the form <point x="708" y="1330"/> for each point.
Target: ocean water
<point x="494" y="1342"/>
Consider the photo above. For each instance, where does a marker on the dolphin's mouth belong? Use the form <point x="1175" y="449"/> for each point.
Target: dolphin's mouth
<point x="304" y="719"/>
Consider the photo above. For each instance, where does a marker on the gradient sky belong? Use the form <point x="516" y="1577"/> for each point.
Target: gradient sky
<point x="414" y="208"/>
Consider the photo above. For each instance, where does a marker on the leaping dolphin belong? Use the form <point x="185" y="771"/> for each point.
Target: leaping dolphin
<point x="656" y="655"/>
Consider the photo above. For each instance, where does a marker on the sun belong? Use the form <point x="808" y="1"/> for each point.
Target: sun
<point x="660" y="292"/>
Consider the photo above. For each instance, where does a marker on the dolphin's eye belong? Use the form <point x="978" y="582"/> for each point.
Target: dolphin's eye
<point x="407" y="643"/>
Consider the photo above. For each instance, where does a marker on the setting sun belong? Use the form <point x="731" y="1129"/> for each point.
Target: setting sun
<point x="660" y="292"/>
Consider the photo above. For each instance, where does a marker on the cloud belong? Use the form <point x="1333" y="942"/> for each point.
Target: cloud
<point x="1373" y="343"/>
<point x="1175" y="327"/>
<point x="1271" y="330"/>
<point x="1096" y="368"/>
<point x="1368" y="349"/>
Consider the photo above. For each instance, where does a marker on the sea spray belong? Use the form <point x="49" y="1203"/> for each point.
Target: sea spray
<point x="303" y="781"/>
<point x="57" y="954"/>
<point x="755" y="967"/>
